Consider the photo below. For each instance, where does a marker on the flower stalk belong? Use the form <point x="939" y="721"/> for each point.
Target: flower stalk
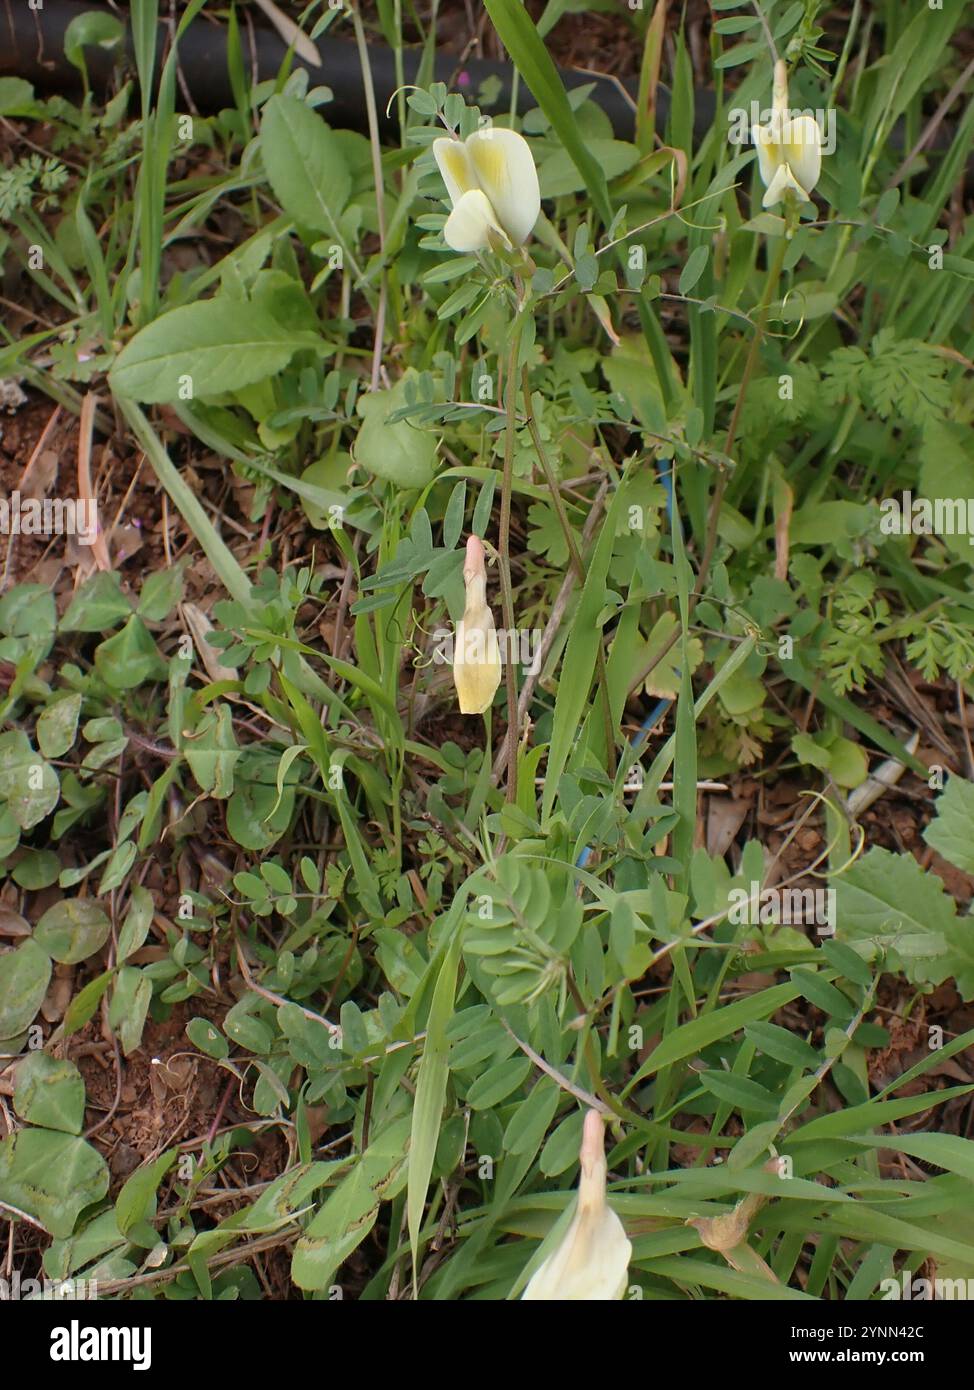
<point x="504" y="547"/>
<point x="576" y="561"/>
<point x="770" y="285"/>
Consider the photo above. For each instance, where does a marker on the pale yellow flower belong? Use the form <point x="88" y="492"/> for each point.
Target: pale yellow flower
<point x="476" y="658"/>
<point x="592" y="1262"/>
<point x="493" y="188"/>
<point x="789" y="147"/>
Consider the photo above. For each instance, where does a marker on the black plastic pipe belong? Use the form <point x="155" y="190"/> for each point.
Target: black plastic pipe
<point x="32" y="46"/>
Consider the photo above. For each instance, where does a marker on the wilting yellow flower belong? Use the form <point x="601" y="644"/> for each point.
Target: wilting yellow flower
<point x="476" y="658"/>
<point x="592" y="1262"/>
<point x="493" y="187"/>
<point x="789" y="147"/>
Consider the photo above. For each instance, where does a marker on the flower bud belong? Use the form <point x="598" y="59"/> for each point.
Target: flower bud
<point x="476" y="659"/>
<point x="591" y="1264"/>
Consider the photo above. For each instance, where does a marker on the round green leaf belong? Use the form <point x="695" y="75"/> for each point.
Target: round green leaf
<point x="249" y="1032"/>
<point x="39" y="868"/>
<point x="325" y="483"/>
<point x="29" y="611"/>
<point x="17" y="97"/>
<point x="252" y="819"/>
<point x="741" y="693"/>
<point x="207" y="1037"/>
<point x="130" y="657"/>
<point x="847" y="762"/>
<point x="91" y="29"/>
<point x="72" y="930"/>
<point x="399" y="452"/>
<point x="98" y="606"/>
<point x="57" y="727"/>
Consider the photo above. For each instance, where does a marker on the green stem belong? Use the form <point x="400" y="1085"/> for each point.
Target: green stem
<point x="771" y="283"/>
<point x="380" y="202"/>
<point x="576" y="560"/>
<point x="504" y="552"/>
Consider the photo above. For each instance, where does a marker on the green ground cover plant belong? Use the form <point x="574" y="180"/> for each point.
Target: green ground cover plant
<point x="317" y="947"/>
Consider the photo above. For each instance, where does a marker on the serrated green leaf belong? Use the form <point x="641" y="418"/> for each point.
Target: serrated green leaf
<point x="951" y="832"/>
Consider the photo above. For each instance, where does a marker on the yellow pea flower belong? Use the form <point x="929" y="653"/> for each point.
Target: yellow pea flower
<point x="493" y="187"/>
<point x="476" y="658"/>
<point x="592" y="1262"/>
<point x="789" y="147"/>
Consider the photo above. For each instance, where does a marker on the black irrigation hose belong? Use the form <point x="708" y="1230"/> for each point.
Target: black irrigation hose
<point x="32" y="46"/>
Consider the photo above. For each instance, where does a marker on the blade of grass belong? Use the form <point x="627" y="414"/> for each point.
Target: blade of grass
<point x="532" y="60"/>
<point x="709" y="1028"/>
<point x="214" y="547"/>
<point x="664" y="758"/>
<point x="579" y="662"/>
<point x="430" y="1093"/>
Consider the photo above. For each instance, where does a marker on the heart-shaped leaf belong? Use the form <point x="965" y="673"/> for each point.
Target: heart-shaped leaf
<point x="130" y="657"/>
<point x="52" y="1177"/>
<point x="49" y="1091"/>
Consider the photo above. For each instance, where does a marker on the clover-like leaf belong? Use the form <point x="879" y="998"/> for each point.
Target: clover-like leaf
<point x="49" y="1091"/>
<point x="72" y="930"/>
<point x="57" y="727"/>
<point x="51" y="1176"/>
<point x="28" y="784"/>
